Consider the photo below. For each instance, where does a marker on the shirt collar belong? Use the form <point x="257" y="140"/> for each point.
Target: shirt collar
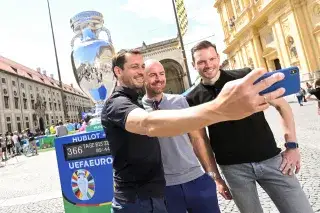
<point x="152" y="102"/>
<point x="131" y="93"/>
<point x="223" y="79"/>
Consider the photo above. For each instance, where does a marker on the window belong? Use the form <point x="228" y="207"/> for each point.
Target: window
<point x="27" y="121"/>
<point x="3" y="80"/>
<point x="30" y="75"/>
<point x="55" y="106"/>
<point x="13" y="83"/>
<point x="59" y="105"/>
<point x="9" y="127"/>
<point x="16" y="102"/>
<point x="32" y="104"/>
<point x="37" y="89"/>
<point x="42" y="91"/>
<point x="19" y="124"/>
<point x="47" y="119"/>
<point x="22" y="85"/>
<point x="30" y="87"/>
<point x="25" y="105"/>
<point x="6" y="102"/>
<point x="50" y="104"/>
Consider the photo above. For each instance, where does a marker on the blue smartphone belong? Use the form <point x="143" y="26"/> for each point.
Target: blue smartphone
<point x="291" y="81"/>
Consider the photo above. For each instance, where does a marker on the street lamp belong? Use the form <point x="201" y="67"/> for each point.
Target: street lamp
<point x="57" y="62"/>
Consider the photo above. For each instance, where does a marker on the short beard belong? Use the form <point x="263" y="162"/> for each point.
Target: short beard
<point x="141" y="91"/>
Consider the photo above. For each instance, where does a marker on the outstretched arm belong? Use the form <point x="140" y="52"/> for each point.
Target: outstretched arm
<point x="238" y="99"/>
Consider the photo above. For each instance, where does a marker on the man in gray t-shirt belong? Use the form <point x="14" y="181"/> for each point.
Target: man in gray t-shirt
<point x="61" y="130"/>
<point x="188" y="188"/>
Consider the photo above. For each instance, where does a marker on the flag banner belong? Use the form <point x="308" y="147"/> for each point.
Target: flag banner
<point x="182" y="16"/>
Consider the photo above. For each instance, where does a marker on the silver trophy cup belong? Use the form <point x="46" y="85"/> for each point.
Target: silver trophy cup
<point x="91" y="58"/>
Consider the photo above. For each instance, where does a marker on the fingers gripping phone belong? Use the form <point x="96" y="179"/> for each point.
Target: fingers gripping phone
<point x="291" y="81"/>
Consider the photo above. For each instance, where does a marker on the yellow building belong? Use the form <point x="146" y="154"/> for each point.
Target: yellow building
<point x="272" y="34"/>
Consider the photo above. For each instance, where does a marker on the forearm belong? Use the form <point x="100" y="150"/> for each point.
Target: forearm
<point x="203" y="150"/>
<point x="206" y="157"/>
<point x="208" y="161"/>
<point x="163" y="123"/>
<point x="287" y="121"/>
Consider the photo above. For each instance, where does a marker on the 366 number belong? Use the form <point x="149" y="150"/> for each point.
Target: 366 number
<point x="75" y="150"/>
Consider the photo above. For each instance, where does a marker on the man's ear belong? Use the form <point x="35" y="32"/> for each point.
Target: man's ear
<point x="117" y="71"/>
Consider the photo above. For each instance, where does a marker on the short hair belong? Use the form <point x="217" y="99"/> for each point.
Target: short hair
<point x="120" y="58"/>
<point x="149" y="62"/>
<point x="202" y="45"/>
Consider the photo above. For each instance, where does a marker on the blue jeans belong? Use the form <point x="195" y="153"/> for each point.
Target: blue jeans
<point x="284" y="190"/>
<point x="151" y="205"/>
<point x="196" y="196"/>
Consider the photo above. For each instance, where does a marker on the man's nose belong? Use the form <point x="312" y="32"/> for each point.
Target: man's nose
<point x="140" y="70"/>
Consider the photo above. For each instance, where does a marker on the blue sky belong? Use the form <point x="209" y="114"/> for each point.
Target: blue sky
<point x="26" y="35"/>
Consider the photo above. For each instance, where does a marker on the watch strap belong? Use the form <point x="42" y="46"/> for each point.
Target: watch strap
<point x="291" y="145"/>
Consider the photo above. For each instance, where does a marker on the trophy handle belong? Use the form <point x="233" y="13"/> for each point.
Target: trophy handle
<point x="74" y="38"/>
<point x="104" y="29"/>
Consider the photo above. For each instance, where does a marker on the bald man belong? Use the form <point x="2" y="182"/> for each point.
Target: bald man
<point x="188" y="187"/>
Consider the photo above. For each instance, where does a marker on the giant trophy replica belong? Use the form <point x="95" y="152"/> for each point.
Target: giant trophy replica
<point x="91" y="58"/>
<point x="84" y="159"/>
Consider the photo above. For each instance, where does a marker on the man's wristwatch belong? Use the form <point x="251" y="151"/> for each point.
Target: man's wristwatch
<point x="213" y="175"/>
<point x="291" y="145"/>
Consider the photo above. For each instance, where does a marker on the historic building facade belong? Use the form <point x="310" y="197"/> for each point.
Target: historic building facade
<point x="273" y="34"/>
<point x="31" y="99"/>
<point x="170" y="56"/>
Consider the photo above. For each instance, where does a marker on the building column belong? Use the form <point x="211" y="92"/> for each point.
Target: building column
<point x="281" y="44"/>
<point x="240" y="62"/>
<point x="305" y="43"/>
<point x="257" y="50"/>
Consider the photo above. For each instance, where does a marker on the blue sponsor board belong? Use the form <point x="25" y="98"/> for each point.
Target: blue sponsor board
<point x="85" y="169"/>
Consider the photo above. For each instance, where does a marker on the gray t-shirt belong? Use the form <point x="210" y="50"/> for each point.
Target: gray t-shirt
<point x="61" y="131"/>
<point x="179" y="161"/>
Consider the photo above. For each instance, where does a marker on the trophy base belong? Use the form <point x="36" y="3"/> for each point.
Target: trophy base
<point x="95" y="121"/>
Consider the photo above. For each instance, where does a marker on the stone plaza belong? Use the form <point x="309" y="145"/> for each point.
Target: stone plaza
<point x="32" y="184"/>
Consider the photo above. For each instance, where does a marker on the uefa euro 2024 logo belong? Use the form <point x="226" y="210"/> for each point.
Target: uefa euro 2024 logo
<point x="82" y="184"/>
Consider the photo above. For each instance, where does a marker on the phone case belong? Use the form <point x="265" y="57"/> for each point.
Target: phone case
<point x="291" y="81"/>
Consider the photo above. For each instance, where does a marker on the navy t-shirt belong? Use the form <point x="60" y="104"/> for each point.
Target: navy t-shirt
<point x="138" y="170"/>
<point x="234" y="142"/>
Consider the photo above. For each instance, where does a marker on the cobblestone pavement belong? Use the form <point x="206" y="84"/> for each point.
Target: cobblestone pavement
<point x="32" y="184"/>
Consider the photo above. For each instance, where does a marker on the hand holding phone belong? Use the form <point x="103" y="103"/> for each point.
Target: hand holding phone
<point x="291" y="81"/>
